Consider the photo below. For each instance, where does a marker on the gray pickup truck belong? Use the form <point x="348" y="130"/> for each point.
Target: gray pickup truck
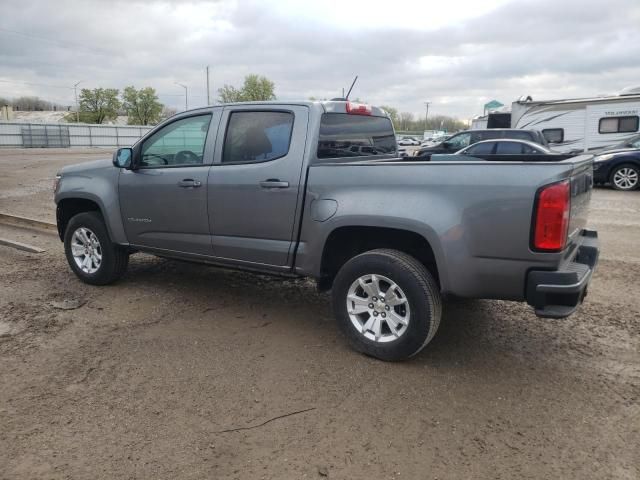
<point x="315" y="189"/>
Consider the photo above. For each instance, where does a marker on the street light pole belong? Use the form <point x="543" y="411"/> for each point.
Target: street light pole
<point x="186" y="96"/>
<point x="426" y="104"/>
<point x="75" y="92"/>
<point x="208" y="99"/>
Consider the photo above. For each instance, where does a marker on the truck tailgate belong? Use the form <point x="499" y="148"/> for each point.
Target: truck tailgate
<point x="581" y="187"/>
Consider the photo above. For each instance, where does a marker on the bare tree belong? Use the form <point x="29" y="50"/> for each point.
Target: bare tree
<point x="406" y="118"/>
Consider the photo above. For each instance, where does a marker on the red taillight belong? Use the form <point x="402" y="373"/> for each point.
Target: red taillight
<point x="358" y="108"/>
<point x="552" y="217"/>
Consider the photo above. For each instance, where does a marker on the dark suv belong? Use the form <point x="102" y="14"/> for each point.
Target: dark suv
<point x="468" y="137"/>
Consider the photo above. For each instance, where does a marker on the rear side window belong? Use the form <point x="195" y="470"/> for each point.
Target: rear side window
<point x="257" y="136"/>
<point x="618" y="124"/>
<point x="343" y="135"/>
<point x="553" y="135"/>
<point x="480" y="149"/>
<point x="509" y="148"/>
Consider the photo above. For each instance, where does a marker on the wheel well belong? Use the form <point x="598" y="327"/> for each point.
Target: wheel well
<point x="68" y="208"/>
<point x="345" y="243"/>
<point x="627" y="162"/>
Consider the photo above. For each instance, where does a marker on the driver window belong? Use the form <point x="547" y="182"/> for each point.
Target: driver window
<point x="179" y="143"/>
<point x="459" y="141"/>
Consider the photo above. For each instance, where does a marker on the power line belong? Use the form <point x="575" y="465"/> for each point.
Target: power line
<point x="52" y="41"/>
<point x="36" y="84"/>
<point x="48" y="85"/>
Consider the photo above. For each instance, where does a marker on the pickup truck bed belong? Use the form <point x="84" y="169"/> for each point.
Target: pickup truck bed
<point x="475" y="215"/>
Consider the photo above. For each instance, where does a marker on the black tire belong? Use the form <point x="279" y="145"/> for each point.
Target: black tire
<point x="114" y="258"/>
<point x="417" y="284"/>
<point x="632" y="167"/>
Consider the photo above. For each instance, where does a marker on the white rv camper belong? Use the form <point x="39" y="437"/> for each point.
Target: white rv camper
<point x="581" y="124"/>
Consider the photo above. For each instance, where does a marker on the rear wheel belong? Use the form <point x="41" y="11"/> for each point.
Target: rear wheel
<point x="625" y="177"/>
<point x="387" y="304"/>
<point x="91" y="254"/>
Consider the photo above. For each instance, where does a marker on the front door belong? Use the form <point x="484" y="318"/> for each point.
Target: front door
<point x="255" y="183"/>
<point x="164" y="201"/>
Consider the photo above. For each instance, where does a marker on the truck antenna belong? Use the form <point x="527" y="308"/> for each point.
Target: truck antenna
<point x="349" y="92"/>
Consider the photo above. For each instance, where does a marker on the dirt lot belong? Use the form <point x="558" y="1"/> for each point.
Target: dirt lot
<point x="145" y="378"/>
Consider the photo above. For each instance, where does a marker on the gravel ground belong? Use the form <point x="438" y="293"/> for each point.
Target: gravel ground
<point x="181" y="371"/>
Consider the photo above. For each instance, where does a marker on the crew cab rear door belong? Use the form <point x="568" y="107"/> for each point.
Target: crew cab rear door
<point x="256" y="182"/>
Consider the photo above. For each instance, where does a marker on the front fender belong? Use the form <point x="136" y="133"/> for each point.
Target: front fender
<point x="100" y="189"/>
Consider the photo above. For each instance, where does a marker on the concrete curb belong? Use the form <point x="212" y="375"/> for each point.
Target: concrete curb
<point x="19" y="221"/>
<point x="20" y="246"/>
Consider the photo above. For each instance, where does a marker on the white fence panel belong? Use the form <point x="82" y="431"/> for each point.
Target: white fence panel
<point x="50" y="135"/>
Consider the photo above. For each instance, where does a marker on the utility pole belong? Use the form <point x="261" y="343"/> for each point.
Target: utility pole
<point x="75" y="92"/>
<point x="426" y="104"/>
<point x="208" y="100"/>
<point x="186" y="96"/>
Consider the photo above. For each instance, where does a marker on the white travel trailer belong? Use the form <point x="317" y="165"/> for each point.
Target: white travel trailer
<point x="581" y="124"/>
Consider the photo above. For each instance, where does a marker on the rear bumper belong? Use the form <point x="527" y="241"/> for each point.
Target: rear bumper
<point x="558" y="293"/>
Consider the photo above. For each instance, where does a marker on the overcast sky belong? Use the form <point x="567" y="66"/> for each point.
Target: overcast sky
<point x="457" y="54"/>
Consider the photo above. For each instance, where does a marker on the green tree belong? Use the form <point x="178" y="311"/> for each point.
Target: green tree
<point x="230" y="94"/>
<point x="142" y="106"/>
<point x="255" y="88"/>
<point x="258" y="88"/>
<point x="99" y="104"/>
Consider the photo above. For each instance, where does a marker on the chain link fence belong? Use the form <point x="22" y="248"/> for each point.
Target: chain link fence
<point x="57" y="135"/>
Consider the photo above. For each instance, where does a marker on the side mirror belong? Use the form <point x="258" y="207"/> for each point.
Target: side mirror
<point x="447" y="145"/>
<point x="122" y="158"/>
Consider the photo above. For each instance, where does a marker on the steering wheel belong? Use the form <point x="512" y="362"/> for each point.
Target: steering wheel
<point x="186" y="156"/>
<point x="164" y="160"/>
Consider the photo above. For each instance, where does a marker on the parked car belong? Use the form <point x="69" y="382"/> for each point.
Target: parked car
<point x="505" y="147"/>
<point x="275" y="188"/>
<point x="463" y="139"/>
<point x="428" y="142"/>
<point x="619" y="165"/>
<point x="504" y="150"/>
<point x="408" y="141"/>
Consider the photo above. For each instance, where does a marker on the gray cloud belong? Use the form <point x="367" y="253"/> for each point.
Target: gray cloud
<point x="543" y="48"/>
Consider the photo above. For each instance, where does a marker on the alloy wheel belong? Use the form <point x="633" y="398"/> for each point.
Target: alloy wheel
<point x="378" y="308"/>
<point x="86" y="250"/>
<point x="625" y="178"/>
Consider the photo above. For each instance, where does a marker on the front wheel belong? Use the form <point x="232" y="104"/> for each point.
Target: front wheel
<point x="625" y="177"/>
<point x="387" y="304"/>
<point x="91" y="254"/>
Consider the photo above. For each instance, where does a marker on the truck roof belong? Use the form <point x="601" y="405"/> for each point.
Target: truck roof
<point x="323" y="106"/>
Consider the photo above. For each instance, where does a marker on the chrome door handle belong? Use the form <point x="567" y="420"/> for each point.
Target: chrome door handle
<point x="274" y="183"/>
<point x="189" y="183"/>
